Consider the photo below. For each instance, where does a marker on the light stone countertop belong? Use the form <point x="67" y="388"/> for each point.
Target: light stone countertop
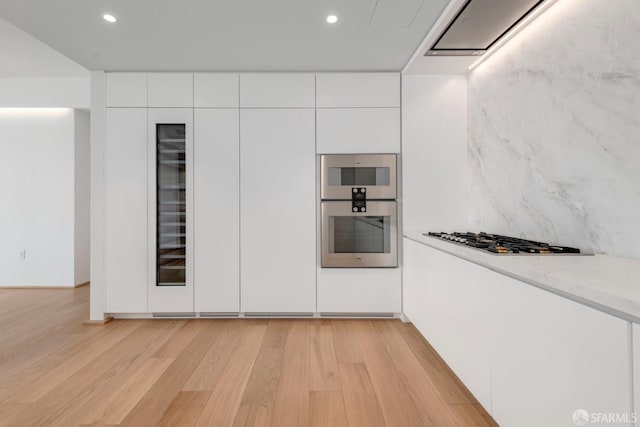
<point x="610" y="284"/>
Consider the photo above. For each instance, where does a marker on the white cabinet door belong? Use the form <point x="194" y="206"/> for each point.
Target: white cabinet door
<point x="126" y="89"/>
<point x="636" y="369"/>
<point x="170" y="298"/>
<point x="215" y="90"/>
<point x="170" y="90"/>
<point x="126" y="214"/>
<point x="358" y="90"/>
<point x="358" y="130"/>
<point x="216" y="209"/>
<point x="278" y="210"/>
<point x="281" y="90"/>
<point x="446" y="298"/>
<point x="553" y="356"/>
<point x="414" y="285"/>
<point x="359" y="290"/>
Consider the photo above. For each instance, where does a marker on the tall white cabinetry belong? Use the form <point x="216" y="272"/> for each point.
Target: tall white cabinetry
<point x="216" y="165"/>
<point x="358" y="113"/>
<point x="126" y="210"/>
<point x="250" y="197"/>
<point x="217" y="211"/>
<point x="277" y="190"/>
<point x="278" y="223"/>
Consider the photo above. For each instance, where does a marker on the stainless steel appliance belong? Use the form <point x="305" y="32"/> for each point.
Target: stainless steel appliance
<point x="479" y="24"/>
<point x="505" y="245"/>
<point x="340" y="173"/>
<point x="359" y="211"/>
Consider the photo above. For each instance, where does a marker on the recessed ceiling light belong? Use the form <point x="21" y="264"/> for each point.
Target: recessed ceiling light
<point x="109" y="18"/>
<point x="332" y="19"/>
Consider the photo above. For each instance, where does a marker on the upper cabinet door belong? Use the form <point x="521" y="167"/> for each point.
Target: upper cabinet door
<point x="270" y="90"/>
<point x="216" y="90"/>
<point x="126" y="89"/>
<point x="358" y="90"/>
<point x="170" y="90"/>
<point x="358" y="130"/>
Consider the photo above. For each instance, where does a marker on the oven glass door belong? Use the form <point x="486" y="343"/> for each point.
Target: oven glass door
<point x="363" y="239"/>
<point x="342" y="172"/>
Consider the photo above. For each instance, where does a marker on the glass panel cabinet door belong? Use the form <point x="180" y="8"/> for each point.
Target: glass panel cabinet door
<point x="171" y="224"/>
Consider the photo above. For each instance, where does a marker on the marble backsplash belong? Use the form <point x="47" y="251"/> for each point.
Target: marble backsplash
<point x="554" y="130"/>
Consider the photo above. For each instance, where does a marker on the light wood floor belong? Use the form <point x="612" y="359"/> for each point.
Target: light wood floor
<point x="55" y="371"/>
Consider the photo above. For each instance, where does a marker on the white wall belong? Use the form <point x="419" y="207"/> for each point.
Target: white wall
<point x="98" y="195"/>
<point x="82" y="193"/>
<point x="25" y="56"/>
<point x="44" y="162"/>
<point x="36" y="180"/>
<point x="554" y="119"/>
<point x="44" y="208"/>
<point x="434" y="150"/>
<point x="72" y="92"/>
<point x="33" y="74"/>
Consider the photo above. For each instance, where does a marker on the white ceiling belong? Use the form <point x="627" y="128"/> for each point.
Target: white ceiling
<point x="229" y="35"/>
<point x="22" y="55"/>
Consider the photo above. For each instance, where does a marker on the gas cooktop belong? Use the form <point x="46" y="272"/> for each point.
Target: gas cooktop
<point x="497" y="244"/>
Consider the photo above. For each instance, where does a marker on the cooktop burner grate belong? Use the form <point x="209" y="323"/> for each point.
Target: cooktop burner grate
<point x="497" y="244"/>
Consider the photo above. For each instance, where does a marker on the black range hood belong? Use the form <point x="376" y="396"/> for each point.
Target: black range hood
<point x="479" y="24"/>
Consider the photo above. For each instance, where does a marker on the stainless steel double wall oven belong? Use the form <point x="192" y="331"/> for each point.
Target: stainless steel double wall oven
<point x="359" y="210"/>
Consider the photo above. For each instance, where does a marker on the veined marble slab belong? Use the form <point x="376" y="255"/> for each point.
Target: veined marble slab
<point x="607" y="283"/>
<point x="554" y="130"/>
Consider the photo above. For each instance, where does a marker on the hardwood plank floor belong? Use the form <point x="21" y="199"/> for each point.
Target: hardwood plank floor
<point x="327" y="409"/>
<point x="55" y="371"/>
<point x="258" y="401"/>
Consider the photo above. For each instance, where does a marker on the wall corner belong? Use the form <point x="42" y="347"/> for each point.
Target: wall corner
<point x="98" y="196"/>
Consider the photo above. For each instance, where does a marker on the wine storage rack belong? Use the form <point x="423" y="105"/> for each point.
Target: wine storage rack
<point x="171" y="223"/>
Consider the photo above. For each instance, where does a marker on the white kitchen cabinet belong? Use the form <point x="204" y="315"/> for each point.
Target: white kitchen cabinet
<point x="126" y="89"/>
<point x="552" y="356"/>
<point x="446" y="298"/>
<point x="170" y="90"/>
<point x="278" y="211"/>
<point x="277" y="90"/>
<point x="358" y="130"/>
<point x="126" y="210"/>
<point x="368" y="290"/>
<point x="434" y="132"/>
<point x="636" y="369"/>
<point x="358" y="90"/>
<point x="544" y="356"/>
<point x="216" y="90"/>
<point x="172" y="298"/>
<point x="216" y="210"/>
